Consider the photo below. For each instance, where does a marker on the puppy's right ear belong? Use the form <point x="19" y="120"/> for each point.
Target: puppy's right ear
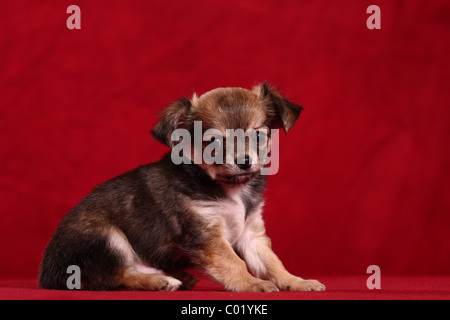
<point x="172" y="117"/>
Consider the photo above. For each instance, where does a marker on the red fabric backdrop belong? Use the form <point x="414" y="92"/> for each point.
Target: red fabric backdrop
<point x="364" y="175"/>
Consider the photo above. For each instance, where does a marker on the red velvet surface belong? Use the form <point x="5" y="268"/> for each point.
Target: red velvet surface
<point x="338" y="288"/>
<point x="364" y="175"/>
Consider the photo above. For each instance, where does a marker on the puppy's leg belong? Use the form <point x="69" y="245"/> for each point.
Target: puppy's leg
<point x="223" y="264"/>
<point x="130" y="279"/>
<point x="274" y="269"/>
<point x="255" y="248"/>
<point x="135" y="274"/>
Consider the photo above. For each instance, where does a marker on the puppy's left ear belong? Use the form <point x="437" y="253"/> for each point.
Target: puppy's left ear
<point x="172" y="117"/>
<point x="283" y="112"/>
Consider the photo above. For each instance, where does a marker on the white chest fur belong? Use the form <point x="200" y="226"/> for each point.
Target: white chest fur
<point x="230" y="213"/>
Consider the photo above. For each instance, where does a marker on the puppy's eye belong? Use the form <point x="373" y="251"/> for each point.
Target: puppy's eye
<point x="261" y="136"/>
<point x="212" y="140"/>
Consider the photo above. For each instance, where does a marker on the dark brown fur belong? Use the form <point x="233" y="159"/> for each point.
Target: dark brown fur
<point x="144" y="207"/>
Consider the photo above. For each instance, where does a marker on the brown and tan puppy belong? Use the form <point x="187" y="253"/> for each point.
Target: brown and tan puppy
<point x="140" y="230"/>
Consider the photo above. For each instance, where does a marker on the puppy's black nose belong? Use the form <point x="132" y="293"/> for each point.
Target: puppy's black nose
<point x="243" y="163"/>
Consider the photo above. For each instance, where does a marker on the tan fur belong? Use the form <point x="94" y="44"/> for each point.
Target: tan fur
<point x="222" y="263"/>
<point x="212" y="108"/>
<point x="130" y="279"/>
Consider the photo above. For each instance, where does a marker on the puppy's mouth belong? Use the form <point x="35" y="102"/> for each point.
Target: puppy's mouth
<point x="236" y="179"/>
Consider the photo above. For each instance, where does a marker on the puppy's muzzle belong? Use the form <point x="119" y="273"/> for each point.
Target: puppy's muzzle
<point x="243" y="163"/>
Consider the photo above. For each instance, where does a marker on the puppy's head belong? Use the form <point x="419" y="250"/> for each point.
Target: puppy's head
<point x="235" y="128"/>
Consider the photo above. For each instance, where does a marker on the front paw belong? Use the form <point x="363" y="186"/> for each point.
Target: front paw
<point x="299" y="284"/>
<point x="263" y="286"/>
<point x="256" y="285"/>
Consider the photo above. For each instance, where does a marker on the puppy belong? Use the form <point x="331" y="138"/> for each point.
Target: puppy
<point x="141" y="230"/>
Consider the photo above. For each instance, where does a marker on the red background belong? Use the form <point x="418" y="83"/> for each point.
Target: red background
<point x="364" y="175"/>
